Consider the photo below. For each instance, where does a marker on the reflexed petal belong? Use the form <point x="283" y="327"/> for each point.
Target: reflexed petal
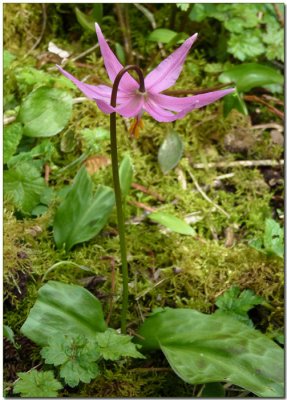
<point x="167" y="72"/>
<point x="99" y="92"/>
<point x="158" y="113"/>
<point x="188" y="103"/>
<point x="113" y="66"/>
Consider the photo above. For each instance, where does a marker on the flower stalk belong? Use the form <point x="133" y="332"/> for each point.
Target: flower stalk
<point x="117" y="188"/>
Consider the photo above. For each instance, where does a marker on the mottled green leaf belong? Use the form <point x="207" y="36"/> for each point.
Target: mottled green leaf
<point x="126" y="175"/>
<point x="234" y="101"/>
<point x="23" y="186"/>
<point x="173" y="223"/>
<point x="250" y="75"/>
<point x="37" y="384"/>
<point x="82" y="215"/>
<point x="45" y="112"/>
<point x="61" y="309"/>
<point x="11" y="139"/>
<point x="170" y="152"/>
<point x="214" y="348"/>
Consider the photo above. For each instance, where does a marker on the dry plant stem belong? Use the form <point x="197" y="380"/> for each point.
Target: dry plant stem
<point x="117" y="188"/>
<point x="236" y="164"/>
<point x="204" y="195"/>
<point x="44" y="23"/>
<point x="125" y="30"/>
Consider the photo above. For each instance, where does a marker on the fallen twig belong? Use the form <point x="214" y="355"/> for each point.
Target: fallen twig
<point x="257" y="99"/>
<point x="44" y="23"/>
<point x="204" y="195"/>
<point x="147" y="191"/>
<point x="142" y="205"/>
<point x="241" y="163"/>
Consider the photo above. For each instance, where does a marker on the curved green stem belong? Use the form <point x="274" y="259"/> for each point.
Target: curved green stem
<point x="117" y="188"/>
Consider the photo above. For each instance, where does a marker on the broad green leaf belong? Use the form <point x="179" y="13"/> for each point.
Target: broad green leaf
<point x="85" y="21"/>
<point x="126" y="175"/>
<point x="11" y="139"/>
<point x="170" y="152"/>
<point x="82" y="215"/>
<point x="61" y="309"/>
<point x="162" y="35"/>
<point x="45" y="112"/>
<point x="201" y="11"/>
<point x="250" y="75"/>
<point x="113" y="346"/>
<point x="23" y="186"/>
<point x="37" y="384"/>
<point x="77" y="356"/>
<point x="205" y="348"/>
<point x="173" y="223"/>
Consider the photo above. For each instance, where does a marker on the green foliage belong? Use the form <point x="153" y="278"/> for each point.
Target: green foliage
<point x="204" y="348"/>
<point x="93" y="139"/>
<point x="86" y="22"/>
<point x="9" y="334"/>
<point x="24" y="186"/>
<point x="77" y="356"/>
<point x="170" y="152"/>
<point x="173" y="223"/>
<point x="272" y="242"/>
<point x="11" y="139"/>
<point x="113" y="346"/>
<point x="37" y="384"/>
<point x="126" y="175"/>
<point x="62" y="308"/>
<point x="251" y="31"/>
<point x="45" y="112"/>
<point x="237" y="304"/>
<point x="82" y="215"/>
<point x="8" y="58"/>
<point x="167" y="36"/>
<point x="250" y="75"/>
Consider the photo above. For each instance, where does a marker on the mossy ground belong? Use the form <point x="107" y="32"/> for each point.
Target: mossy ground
<point x="166" y="269"/>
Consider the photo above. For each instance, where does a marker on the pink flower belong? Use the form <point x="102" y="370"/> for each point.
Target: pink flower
<point x="131" y="102"/>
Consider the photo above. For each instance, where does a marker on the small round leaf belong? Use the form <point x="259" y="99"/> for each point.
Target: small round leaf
<point x="45" y="112"/>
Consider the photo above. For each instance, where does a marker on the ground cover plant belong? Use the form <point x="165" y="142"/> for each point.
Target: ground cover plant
<point x="144" y="256"/>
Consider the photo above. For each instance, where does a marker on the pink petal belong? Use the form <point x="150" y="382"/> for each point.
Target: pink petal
<point x="129" y="109"/>
<point x="167" y="72"/>
<point x="188" y="103"/>
<point x="158" y="113"/>
<point x="113" y="66"/>
<point x="99" y="92"/>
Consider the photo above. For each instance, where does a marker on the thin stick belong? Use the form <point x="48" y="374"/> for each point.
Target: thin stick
<point x="125" y="32"/>
<point x="204" y="195"/>
<point x="241" y="163"/>
<point x="44" y="23"/>
<point x="257" y="99"/>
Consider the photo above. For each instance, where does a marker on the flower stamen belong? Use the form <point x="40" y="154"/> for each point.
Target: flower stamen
<point x="136" y="125"/>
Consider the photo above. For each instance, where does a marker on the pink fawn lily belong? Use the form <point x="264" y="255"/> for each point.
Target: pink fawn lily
<point x="131" y="102"/>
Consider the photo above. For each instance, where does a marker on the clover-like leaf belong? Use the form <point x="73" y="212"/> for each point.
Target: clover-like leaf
<point x="37" y="384"/>
<point x="113" y="346"/>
